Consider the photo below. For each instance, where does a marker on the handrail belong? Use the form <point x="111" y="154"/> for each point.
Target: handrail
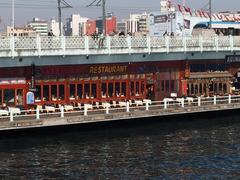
<point x="67" y="45"/>
<point x="167" y="103"/>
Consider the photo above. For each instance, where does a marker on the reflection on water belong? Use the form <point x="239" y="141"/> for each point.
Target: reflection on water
<point x="192" y="149"/>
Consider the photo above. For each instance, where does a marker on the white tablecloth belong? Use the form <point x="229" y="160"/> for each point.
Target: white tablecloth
<point x="68" y="107"/>
<point x="50" y="109"/>
<point x="14" y="110"/>
<point x="4" y="112"/>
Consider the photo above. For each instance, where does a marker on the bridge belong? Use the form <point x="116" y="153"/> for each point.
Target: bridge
<point x="11" y="47"/>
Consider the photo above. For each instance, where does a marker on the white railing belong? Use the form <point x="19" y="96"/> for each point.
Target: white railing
<point x="174" y="105"/>
<point x="76" y="45"/>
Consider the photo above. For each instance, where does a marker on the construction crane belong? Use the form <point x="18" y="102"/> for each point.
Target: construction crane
<point x="61" y="4"/>
<point x="103" y="4"/>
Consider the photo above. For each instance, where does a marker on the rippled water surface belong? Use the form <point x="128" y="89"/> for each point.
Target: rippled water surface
<point x="170" y="149"/>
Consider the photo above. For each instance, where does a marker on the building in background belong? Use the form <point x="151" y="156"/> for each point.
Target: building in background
<point x="111" y="24"/>
<point x="40" y="26"/>
<point x="138" y="23"/>
<point x="76" y="25"/>
<point x="90" y="27"/>
<point x="122" y="27"/>
<point x="54" y="27"/>
<point x="21" y="31"/>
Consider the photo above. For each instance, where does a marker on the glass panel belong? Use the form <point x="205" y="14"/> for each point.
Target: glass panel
<point x="224" y="88"/>
<point x="163" y="85"/>
<point x="137" y="89"/>
<point x="86" y="91"/>
<point x="61" y="92"/>
<point x="132" y="89"/>
<point x="104" y="90"/>
<point x="200" y="88"/>
<point x="19" y="97"/>
<point x="79" y="91"/>
<point x="0" y="97"/>
<point x="46" y="93"/>
<point x="110" y="89"/>
<point x="167" y="85"/>
<point x="54" y="92"/>
<point x="172" y="86"/>
<point x="94" y="90"/>
<point x="72" y="92"/>
<point x="220" y="86"/>
<point x="38" y="93"/>
<point x="8" y="97"/>
<point x="124" y="89"/>
<point x="142" y="87"/>
<point x="192" y="89"/>
<point x="117" y="89"/>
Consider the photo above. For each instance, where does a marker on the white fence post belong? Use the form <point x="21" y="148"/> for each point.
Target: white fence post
<point x="182" y="102"/>
<point x="86" y="44"/>
<point x="127" y="107"/>
<point x="199" y="101"/>
<point x="62" y="111"/>
<point x="167" y="43"/>
<point x="231" y="42"/>
<point x="216" y="43"/>
<point x="229" y="99"/>
<point x="38" y="41"/>
<point x="11" y="116"/>
<point x="107" y="110"/>
<point x="109" y="44"/>
<point x="37" y="114"/>
<point x="147" y="106"/>
<point x="165" y="104"/>
<point x="63" y="44"/>
<point x="85" y="110"/>
<point x="201" y="43"/>
<point x="214" y="100"/>
<point x="149" y="44"/>
<point x="129" y="43"/>
<point x="12" y="46"/>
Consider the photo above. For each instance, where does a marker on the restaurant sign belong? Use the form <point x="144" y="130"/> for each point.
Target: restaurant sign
<point x="108" y="69"/>
<point x="233" y="59"/>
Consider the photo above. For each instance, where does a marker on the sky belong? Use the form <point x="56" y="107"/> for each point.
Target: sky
<point x="25" y="10"/>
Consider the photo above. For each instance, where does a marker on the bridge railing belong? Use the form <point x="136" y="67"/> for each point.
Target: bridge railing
<point x="45" y="45"/>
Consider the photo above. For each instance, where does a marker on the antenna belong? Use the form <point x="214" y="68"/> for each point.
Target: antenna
<point x="98" y="3"/>
<point x="61" y="4"/>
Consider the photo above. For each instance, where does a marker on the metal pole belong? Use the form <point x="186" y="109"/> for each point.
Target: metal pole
<point x="210" y="12"/>
<point x="60" y="17"/>
<point x="104" y="17"/>
<point x="13" y="15"/>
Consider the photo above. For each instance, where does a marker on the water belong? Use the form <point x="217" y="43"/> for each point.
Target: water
<point x="171" y="149"/>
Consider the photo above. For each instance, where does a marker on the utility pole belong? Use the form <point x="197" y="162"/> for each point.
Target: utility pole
<point x="13" y="15"/>
<point x="97" y="3"/>
<point x="104" y="29"/>
<point x="65" y="5"/>
<point x="210" y="13"/>
<point x="60" y="17"/>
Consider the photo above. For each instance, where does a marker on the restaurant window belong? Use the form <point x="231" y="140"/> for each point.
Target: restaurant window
<point x="225" y="88"/>
<point x="80" y="91"/>
<point x="192" y="89"/>
<point x="196" y="89"/>
<point x="72" y="91"/>
<point x="132" y="89"/>
<point x="38" y="93"/>
<point x="104" y="90"/>
<point x="61" y="92"/>
<point x="110" y="89"/>
<point x="215" y="87"/>
<point x="163" y="85"/>
<point x="19" y="97"/>
<point x="167" y="85"/>
<point x="200" y="88"/>
<point x="188" y="90"/>
<point x="117" y="89"/>
<point x="45" y="92"/>
<point x="8" y="95"/>
<point x="172" y="86"/>
<point x="124" y="89"/>
<point x="137" y="89"/>
<point x="142" y="87"/>
<point x="54" y="92"/>
<point x="86" y="91"/>
<point x="94" y="90"/>
<point x="220" y="87"/>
